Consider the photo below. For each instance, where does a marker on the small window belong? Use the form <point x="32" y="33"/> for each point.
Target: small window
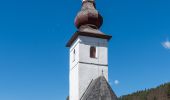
<point x="92" y="52"/>
<point x="74" y="55"/>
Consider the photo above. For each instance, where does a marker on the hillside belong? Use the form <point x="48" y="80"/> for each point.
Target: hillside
<point x="160" y="93"/>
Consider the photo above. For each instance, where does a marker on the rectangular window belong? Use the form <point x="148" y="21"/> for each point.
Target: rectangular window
<point x="93" y="52"/>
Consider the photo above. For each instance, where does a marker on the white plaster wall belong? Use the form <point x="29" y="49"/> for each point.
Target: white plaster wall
<point x="74" y="84"/>
<point x="74" y="72"/>
<point x="75" y="47"/>
<point x="89" y="72"/>
<point x="84" y="50"/>
<point x="84" y="68"/>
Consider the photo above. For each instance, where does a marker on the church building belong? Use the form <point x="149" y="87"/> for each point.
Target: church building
<point x="88" y="71"/>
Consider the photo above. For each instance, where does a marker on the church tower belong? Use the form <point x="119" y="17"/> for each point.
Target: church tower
<point x="88" y="51"/>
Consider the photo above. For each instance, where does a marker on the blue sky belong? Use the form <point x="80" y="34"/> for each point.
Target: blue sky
<point x="34" y="59"/>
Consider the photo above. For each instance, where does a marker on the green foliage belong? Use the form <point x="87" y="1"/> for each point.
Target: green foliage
<point x="154" y="98"/>
<point x="162" y="92"/>
<point x="168" y="91"/>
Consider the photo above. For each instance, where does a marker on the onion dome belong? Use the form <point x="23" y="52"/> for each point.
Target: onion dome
<point x="88" y="21"/>
<point x="88" y="16"/>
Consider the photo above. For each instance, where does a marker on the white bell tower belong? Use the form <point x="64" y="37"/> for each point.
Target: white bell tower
<point x="88" y="51"/>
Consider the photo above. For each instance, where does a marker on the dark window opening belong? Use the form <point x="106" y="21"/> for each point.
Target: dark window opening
<point x="74" y="55"/>
<point x="92" y="52"/>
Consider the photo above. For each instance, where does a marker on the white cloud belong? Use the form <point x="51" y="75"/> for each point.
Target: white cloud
<point x="166" y="44"/>
<point x="116" y="82"/>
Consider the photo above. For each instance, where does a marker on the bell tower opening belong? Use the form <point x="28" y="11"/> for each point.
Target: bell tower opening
<point x="93" y="53"/>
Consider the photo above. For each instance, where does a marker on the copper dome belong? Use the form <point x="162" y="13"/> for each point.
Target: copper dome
<point x="88" y="15"/>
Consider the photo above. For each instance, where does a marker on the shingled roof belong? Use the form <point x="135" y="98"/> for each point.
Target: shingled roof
<point x="99" y="89"/>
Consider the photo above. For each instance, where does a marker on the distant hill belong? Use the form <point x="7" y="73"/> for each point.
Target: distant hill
<point x="160" y="93"/>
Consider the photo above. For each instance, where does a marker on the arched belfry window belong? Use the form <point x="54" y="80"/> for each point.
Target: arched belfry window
<point x="92" y="52"/>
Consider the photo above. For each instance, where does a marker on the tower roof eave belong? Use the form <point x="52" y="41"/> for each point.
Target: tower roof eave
<point x="88" y="34"/>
